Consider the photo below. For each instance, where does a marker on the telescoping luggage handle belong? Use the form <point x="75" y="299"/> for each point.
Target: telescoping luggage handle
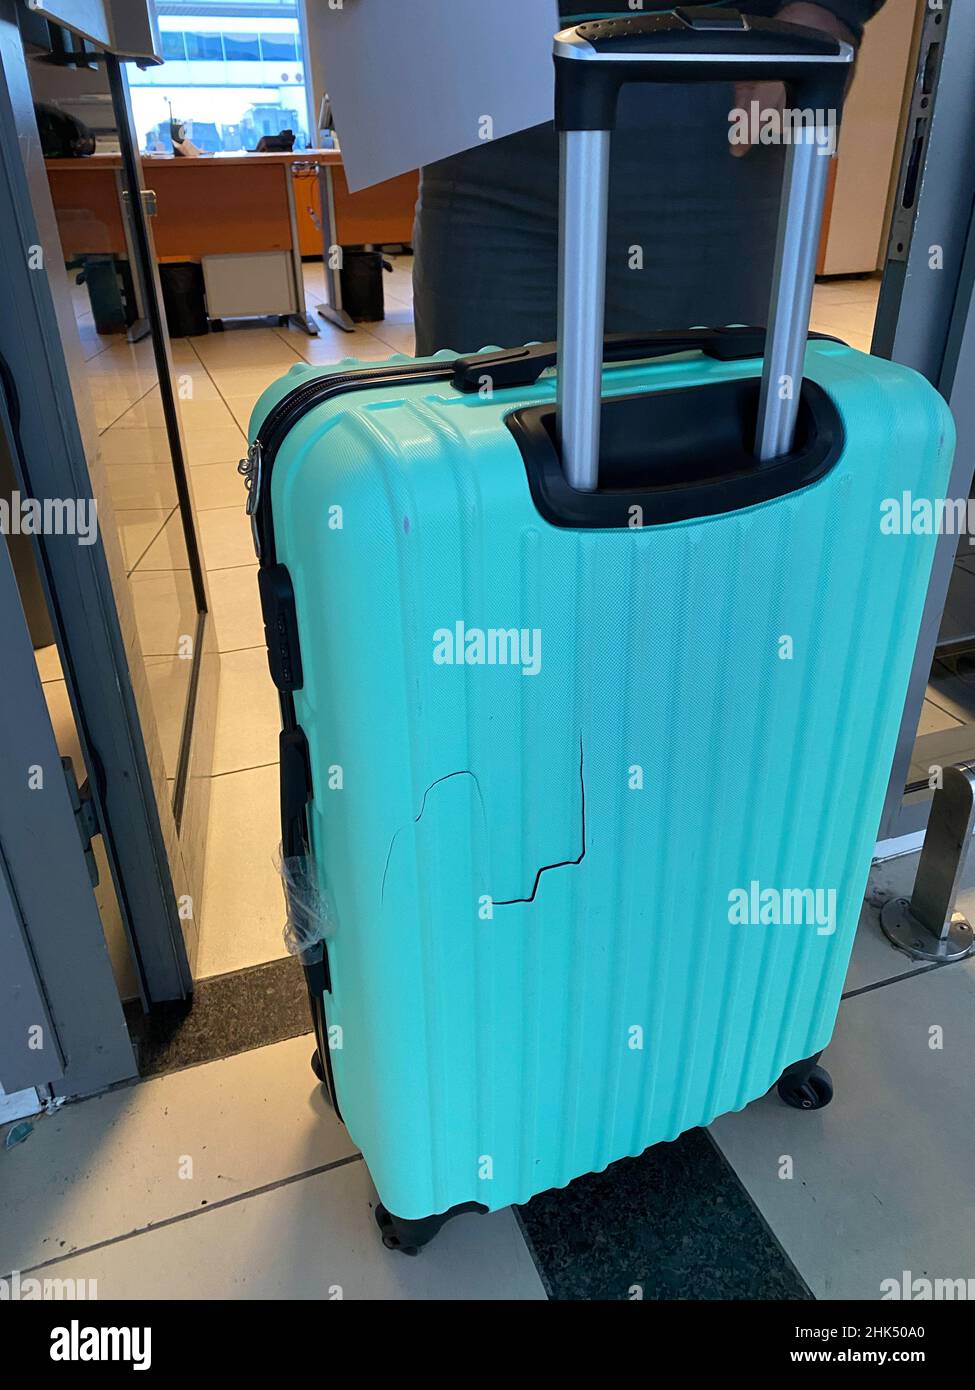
<point x="593" y="61"/>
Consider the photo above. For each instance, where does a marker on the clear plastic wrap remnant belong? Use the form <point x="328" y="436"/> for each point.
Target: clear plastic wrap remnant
<point x="311" y="920"/>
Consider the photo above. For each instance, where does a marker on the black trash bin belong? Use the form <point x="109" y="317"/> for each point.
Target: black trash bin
<point x="111" y="292"/>
<point x="185" y="298"/>
<point x="363" y="298"/>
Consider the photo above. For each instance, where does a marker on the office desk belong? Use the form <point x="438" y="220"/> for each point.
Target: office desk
<point x="372" y="217"/>
<point x="233" y="203"/>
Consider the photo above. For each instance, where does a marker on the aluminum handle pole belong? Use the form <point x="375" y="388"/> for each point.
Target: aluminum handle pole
<point x="583" y="209"/>
<point x="800" y="223"/>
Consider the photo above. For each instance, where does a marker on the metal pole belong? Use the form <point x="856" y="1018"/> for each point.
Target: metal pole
<point x="583" y="207"/>
<point x="301" y="317"/>
<point x="331" y="308"/>
<point x="927" y="927"/>
<point x="800" y="222"/>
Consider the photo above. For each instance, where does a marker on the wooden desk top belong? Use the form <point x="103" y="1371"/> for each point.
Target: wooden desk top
<point x="221" y="160"/>
<point x="244" y="214"/>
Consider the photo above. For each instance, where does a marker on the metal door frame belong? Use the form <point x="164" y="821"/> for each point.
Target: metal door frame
<point x="926" y="318"/>
<point x="53" y="463"/>
<point x="61" y="1021"/>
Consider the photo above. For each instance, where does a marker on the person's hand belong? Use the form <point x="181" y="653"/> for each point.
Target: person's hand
<point x="771" y="95"/>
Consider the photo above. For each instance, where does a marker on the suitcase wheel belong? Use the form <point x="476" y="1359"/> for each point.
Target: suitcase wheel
<point x="316" y="1066"/>
<point x="806" y="1092"/>
<point x="387" y="1230"/>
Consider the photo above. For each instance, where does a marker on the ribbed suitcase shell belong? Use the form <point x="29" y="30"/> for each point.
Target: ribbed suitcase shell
<point x="611" y="1003"/>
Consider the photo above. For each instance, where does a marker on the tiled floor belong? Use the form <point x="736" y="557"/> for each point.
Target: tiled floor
<point x="232" y="1178"/>
<point x="229" y="1180"/>
<point x="880" y="1179"/>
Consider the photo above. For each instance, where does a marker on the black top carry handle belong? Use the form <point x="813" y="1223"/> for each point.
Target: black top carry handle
<point x="593" y="61"/>
<point x="524" y="365"/>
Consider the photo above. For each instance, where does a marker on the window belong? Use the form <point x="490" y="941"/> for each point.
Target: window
<point x="242" y="48"/>
<point x="279" y="48"/>
<point x="172" y="46"/>
<point x="233" y="71"/>
<point x="204" y="48"/>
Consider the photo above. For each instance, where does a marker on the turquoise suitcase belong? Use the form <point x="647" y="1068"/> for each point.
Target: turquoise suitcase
<point x="580" y="779"/>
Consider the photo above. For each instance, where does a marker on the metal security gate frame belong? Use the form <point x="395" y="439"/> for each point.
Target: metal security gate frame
<point x="76" y="578"/>
<point x="926" y="320"/>
<point x="62" y="1029"/>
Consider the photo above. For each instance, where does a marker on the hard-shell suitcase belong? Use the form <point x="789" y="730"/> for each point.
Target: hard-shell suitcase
<point x="590" y="687"/>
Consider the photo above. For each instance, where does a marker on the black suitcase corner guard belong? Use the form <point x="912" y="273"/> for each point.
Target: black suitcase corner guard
<point x="674" y="455"/>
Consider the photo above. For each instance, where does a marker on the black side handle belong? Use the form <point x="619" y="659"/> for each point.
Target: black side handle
<point x="594" y="60"/>
<point x="523" y="366"/>
<point x="295" y="783"/>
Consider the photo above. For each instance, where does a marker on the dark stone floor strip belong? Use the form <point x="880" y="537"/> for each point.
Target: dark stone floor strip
<point x="227" y="1014"/>
<point x="674" y="1223"/>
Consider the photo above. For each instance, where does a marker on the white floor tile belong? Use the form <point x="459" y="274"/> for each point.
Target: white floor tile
<point x="851" y="322"/>
<point x="112" y="1165"/>
<point x="114" y="407"/>
<point x="249" y="380"/>
<point x="236" y="608"/>
<point x="167" y="549"/>
<point x="399" y="336"/>
<point x="242" y="408"/>
<point x="143" y="530"/>
<point x="934" y="719"/>
<point x="149" y="445"/>
<point x="243" y="347"/>
<point x="243" y="903"/>
<point x="217" y="485"/>
<point x="225" y="536"/>
<point x="141" y="485"/>
<point x="169" y="689"/>
<point x="248" y="718"/>
<point x="145" y="412"/>
<point x="224" y="444"/>
<point x="874" y="959"/>
<point x="165" y="611"/>
<point x="193" y="382"/>
<point x="311" y="1240"/>
<point x="882" y="1176"/>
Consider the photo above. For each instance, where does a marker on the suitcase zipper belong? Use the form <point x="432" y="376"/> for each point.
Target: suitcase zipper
<point x="509" y="367"/>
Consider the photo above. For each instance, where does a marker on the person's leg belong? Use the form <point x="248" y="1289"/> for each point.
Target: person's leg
<point x="485" y="245"/>
<point x="692" y="230"/>
<point x="690" y="240"/>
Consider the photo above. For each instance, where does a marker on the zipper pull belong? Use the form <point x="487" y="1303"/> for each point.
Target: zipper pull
<point x="250" y="470"/>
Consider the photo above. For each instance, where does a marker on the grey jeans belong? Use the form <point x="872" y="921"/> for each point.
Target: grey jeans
<point x="486" y="233"/>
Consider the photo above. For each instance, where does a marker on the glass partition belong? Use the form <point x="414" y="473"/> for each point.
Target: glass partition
<point x="135" y="455"/>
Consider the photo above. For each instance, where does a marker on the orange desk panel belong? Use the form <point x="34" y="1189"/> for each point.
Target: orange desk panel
<point x="86" y="205"/>
<point x="205" y="207"/>
<point x="374" y="216"/>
